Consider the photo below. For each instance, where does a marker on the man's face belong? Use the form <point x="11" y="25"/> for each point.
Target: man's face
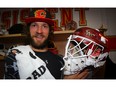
<point x="39" y="32"/>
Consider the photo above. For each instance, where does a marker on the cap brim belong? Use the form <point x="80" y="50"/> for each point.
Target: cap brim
<point x="47" y="20"/>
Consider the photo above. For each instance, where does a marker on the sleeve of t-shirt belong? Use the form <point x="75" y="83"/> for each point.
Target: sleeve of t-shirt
<point x="11" y="69"/>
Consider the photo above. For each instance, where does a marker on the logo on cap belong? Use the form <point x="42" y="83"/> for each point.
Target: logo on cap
<point x="40" y="14"/>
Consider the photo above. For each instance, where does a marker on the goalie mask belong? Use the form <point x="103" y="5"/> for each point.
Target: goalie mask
<point x="86" y="47"/>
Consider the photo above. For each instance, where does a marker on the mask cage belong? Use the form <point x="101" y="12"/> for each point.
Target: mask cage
<point x="78" y="47"/>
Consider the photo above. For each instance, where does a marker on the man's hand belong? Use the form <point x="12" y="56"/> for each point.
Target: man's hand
<point x="80" y="75"/>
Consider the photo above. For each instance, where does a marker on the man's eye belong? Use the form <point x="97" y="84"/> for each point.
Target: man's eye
<point x="33" y="25"/>
<point x="45" y="26"/>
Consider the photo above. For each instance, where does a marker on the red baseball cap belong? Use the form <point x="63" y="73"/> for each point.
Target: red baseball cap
<point x="40" y="16"/>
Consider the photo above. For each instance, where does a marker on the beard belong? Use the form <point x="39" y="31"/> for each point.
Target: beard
<point x="38" y="46"/>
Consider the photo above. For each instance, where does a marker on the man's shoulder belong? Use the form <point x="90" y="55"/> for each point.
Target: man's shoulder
<point x="21" y="47"/>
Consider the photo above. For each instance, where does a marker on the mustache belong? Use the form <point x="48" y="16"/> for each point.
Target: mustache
<point x="38" y="34"/>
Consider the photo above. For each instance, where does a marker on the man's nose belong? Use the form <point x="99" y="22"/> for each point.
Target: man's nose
<point x="39" y="29"/>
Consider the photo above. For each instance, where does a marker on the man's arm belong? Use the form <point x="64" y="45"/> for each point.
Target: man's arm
<point x="11" y="69"/>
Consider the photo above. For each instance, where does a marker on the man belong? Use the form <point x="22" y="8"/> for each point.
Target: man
<point x="35" y="61"/>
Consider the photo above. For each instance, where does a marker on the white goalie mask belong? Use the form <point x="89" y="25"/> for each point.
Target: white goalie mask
<point x="86" y="47"/>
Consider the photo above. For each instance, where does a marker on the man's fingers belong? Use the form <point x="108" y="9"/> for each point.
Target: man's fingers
<point x="80" y="75"/>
